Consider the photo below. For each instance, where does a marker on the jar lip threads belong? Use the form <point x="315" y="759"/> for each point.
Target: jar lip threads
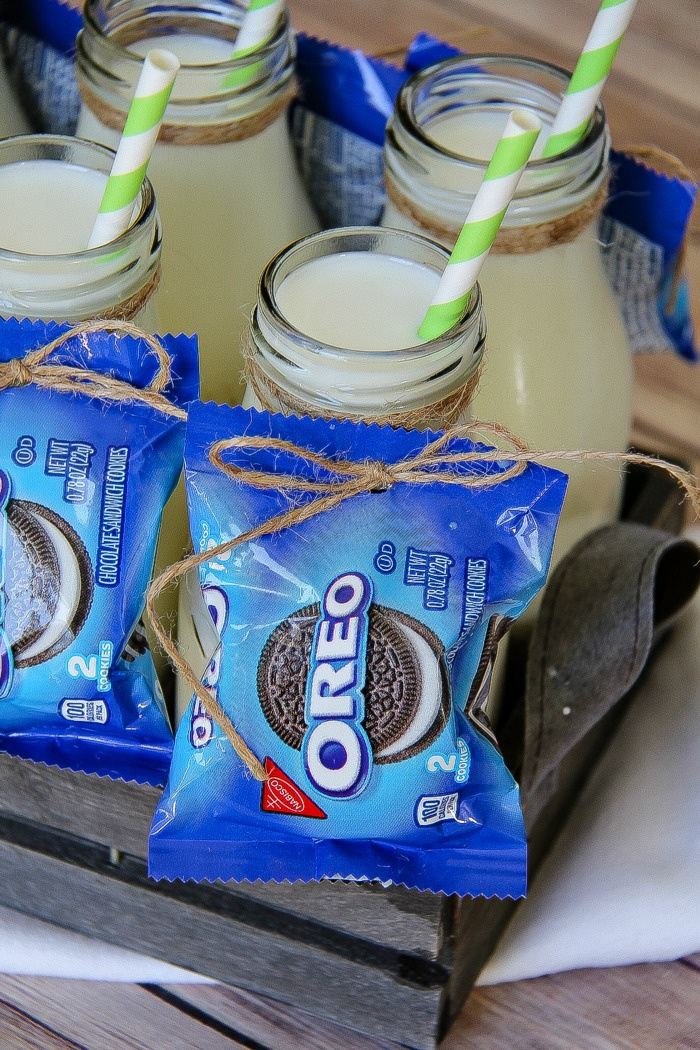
<point x="392" y="244"/>
<point x="83" y="155"/>
<point x="424" y="164"/>
<point x="216" y="85"/>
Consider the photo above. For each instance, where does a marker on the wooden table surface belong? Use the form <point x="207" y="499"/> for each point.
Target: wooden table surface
<point x="652" y="97"/>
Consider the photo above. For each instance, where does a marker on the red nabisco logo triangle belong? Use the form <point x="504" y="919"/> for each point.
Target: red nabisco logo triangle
<point x="281" y="795"/>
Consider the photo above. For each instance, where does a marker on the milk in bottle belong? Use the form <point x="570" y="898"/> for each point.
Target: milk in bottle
<point x="557" y="368"/>
<point x="227" y="186"/>
<point x="51" y="187"/>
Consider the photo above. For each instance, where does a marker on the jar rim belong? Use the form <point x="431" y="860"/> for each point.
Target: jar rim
<point x="356" y="238"/>
<point x="406" y="102"/>
<point x="271" y="56"/>
<point x="441" y="184"/>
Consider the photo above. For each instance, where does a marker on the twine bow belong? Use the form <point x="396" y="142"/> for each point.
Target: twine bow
<point x="69" y="379"/>
<point x="437" y="462"/>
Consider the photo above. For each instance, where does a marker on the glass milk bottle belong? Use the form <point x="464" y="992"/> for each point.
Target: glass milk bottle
<point x="334" y="334"/>
<point x="51" y="187"/>
<point x="557" y="368"/>
<point x="223" y="169"/>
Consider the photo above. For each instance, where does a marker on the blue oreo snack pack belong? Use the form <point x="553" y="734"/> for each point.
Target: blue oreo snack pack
<point x="84" y="475"/>
<point x="340" y="731"/>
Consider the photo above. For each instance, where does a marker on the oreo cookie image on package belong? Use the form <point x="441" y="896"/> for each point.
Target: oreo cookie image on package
<point x="406" y="690"/>
<point x="83" y="482"/>
<point x="347" y="654"/>
<point x="48" y="586"/>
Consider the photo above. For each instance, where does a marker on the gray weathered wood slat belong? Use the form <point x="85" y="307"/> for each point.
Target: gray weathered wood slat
<point x="369" y="994"/>
<point x="119" y="815"/>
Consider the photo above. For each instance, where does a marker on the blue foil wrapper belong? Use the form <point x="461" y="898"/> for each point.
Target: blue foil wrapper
<point x="351" y="661"/>
<point x="83" y="483"/>
<point x="54" y="22"/>
<point x="643" y="228"/>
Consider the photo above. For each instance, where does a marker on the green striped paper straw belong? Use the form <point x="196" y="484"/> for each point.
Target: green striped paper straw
<point x="479" y="231"/>
<point x="591" y="72"/>
<point x="256" y="29"/>
<point x="135" y="146"/>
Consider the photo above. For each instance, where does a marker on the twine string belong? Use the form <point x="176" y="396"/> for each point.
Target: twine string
<point x="34" y="368"/>
<point x="510" y="240"/>
<point x="202" y="134"/>
<point x="274" y="398"/>
<point x="435" y="463"/>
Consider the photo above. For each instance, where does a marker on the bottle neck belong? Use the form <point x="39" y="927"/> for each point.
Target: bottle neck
<point x="213" y="89"/>
<point x="429" y="384"/>
<point x="446" y="123"/>
<point x="114" y="280"/>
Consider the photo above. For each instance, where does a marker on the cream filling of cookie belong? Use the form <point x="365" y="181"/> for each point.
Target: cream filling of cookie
<point x="430" y="700"/>
<point x="69" y="592"/>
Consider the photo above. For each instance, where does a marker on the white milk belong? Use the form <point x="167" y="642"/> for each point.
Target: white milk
<point x="12" y="121"/>
<point x="48" y="207"/>
<point x="46" y="272"/>
<point x="557" y="367"/>
<point x="475" y="135"/>
<point x="191" y="50"/>
<point x="226" y="209"/>
<point x="336" y="325"/>
<point x="359" y="300"/>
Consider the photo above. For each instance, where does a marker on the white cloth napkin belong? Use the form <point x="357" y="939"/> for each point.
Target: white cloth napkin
<point x="39" y="949"/>
<point x="622" y="883"/>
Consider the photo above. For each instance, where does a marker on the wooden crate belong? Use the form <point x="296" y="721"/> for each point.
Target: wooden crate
<point x="391" y="963"/>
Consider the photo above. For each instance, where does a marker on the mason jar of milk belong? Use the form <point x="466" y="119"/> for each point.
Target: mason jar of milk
<point x="557" y="368"/>
<point x="335" y="334"/>
<point x="51" y="187"/>
<point x="228" y="190"/>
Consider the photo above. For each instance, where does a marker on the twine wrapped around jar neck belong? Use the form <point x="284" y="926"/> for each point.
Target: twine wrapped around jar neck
<point x="205" y="134"/>
<point x="130" y="308"/>
<point x="513" y="240"/>
<point x="449" y="410"/>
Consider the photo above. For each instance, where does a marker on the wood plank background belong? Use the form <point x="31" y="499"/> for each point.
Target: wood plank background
<point x="652" y="97"/>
